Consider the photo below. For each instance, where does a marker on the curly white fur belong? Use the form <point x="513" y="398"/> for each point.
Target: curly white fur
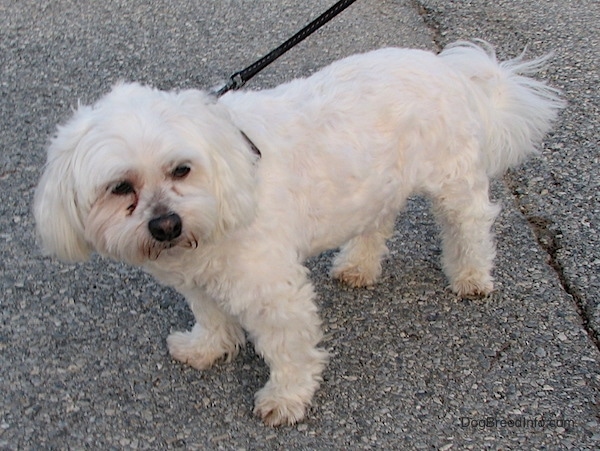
<point x="341" y="152"/>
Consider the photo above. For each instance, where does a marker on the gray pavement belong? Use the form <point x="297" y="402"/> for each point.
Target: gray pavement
<point x="83" y="361"/>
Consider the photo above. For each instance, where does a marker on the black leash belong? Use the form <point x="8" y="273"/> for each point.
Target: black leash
<point x="239" y="79"/>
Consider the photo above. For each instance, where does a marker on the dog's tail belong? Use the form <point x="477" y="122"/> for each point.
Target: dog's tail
<point x="517" y="109"/>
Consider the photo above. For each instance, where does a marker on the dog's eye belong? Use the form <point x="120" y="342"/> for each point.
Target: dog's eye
<point x="181" y="171"/>
<point x="123" y="189"/>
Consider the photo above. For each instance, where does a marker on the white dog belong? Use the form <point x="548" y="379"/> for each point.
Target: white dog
<point x="224" y="199"/>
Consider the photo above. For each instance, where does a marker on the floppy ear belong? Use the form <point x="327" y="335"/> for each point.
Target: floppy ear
<point x="231" y="156"/>
<point x="57" y="214"/>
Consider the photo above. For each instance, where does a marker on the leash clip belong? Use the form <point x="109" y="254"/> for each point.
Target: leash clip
<point x="236" y="81"/>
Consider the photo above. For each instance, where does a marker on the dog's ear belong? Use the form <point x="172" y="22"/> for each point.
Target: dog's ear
<point x="57" y="214"/>
<point x="232" y="159"/>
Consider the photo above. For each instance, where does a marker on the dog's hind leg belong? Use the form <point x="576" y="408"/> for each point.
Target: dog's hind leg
<point x="466" y="215"/>
<point x="358" y="263"/>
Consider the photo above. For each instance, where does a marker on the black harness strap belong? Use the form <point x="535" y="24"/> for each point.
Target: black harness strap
<point x="253" y="147"/>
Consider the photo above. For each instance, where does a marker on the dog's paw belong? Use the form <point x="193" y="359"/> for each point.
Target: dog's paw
<point x="201" y="349"/>
<point x="184" y="347"/>
<point x="356" y="276"/>
<point x="277" y="410"/>
<point x="473" y="287"/>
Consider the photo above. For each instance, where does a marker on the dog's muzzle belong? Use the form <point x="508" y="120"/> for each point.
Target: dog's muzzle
<point x="165" y="227"/>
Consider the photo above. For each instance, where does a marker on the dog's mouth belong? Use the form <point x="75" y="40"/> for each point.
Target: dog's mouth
<point x="154" y="248"/>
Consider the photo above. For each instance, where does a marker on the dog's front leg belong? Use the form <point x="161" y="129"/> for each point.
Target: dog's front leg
<point x="215" y="335"/>
<point x="285" y="328"/>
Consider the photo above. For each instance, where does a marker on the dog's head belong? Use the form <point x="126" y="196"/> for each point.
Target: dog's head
<point x="143" y="173"/>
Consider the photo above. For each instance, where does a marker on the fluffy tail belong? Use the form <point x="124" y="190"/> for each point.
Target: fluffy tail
<point x="518" y="110"/>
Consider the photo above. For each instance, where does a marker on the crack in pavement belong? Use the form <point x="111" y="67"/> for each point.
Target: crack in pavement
<point x="429" y="16"/>
<point x="549" y="239"/>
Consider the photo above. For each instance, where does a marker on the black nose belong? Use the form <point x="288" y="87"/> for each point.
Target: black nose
<point x="165" y="227"/>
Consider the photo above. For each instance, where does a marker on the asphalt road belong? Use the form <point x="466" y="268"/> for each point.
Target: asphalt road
<point x="83" y="360"/>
